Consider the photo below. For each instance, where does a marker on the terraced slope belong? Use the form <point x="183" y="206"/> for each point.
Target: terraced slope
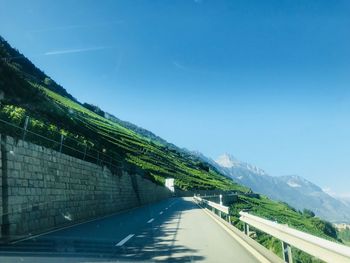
<point x="52" y="110"/>
<point x="27" y="91"/>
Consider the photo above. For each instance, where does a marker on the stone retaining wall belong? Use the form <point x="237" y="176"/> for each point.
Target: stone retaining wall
<point x="42" y="189"/>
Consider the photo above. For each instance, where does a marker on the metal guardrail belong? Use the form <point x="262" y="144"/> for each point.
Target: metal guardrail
<point x="318" y="247"/>
<point x="221" y="209"/>
<point x="233" y="193"/>
<point x="59" y="143"/>
<point x="218" y="207"/>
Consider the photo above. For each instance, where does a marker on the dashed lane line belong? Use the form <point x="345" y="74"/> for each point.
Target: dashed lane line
<point x="123" y="241"/>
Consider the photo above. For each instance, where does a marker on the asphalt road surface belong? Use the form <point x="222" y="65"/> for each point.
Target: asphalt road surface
<point x="173" y="230"/>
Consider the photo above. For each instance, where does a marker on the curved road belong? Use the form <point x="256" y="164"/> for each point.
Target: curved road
<point x="173" y="230"/>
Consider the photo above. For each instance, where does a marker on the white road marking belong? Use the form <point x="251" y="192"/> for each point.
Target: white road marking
<point x="123" y="241"/>
<point x="150" y="221"/>
<point x="73" y="225"/>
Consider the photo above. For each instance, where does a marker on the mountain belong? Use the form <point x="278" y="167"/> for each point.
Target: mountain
<point x="292" y="189"/>
<point x="228" y="161"/>
<point x="26" y="91"/>
<point x="344" y="200"/>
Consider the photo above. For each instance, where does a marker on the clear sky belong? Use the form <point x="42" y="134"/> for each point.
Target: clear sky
<point x="267" y="81"/>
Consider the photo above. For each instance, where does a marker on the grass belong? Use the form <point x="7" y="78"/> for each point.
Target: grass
<point x="74" y="120"/>
<point x="53" y="111"/>
<point x="283" y="214"/>
<point x="344" y="235"/>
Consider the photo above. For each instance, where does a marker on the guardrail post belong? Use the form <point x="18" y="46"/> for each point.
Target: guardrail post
<point x="246" y="229"/>
<point x="25" y="127"/>
<point x="287" y="252"/>
<point x="323" y="249"/>
<point x="61" y="143"/>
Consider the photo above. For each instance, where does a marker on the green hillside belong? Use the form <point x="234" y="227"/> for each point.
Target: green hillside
<point x="284" y="214"/>
<point x="27" y="91"/>
<point x="344" y="235"/>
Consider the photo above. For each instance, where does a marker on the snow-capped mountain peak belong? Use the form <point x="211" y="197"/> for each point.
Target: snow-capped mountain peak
<point x="226" y="160"/>
<point x="293" y="189"/>
<point x="293" y="184"/>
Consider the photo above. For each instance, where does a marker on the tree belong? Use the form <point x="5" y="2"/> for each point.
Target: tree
<point x="203" y="166"/>
<point x="308" y="213"/>
<point x="48" y="82"/>
<point x="94" y="108"/>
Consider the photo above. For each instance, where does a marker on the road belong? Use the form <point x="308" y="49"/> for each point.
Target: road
<point x="173" y="230"/>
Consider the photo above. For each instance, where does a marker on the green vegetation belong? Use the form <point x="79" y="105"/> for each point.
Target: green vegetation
<point x="283" y="214"/>
<point x="344" y="234"/>
<point x="308" y="213"/>
<point x="29" y="92"/>
<point x="52" y="111"/>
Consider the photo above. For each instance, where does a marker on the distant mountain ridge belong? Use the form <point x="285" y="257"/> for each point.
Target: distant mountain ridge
<point x="27" y="91"/>
<point x="228" y="161"/>
<point x="292" y="189"/>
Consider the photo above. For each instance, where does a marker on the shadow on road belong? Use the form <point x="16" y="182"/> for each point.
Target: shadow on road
<point x="157" y="243"/>
<point x="153" y="242"/>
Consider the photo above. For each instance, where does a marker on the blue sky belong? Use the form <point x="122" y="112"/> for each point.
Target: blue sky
<point x="267" y="81"/>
